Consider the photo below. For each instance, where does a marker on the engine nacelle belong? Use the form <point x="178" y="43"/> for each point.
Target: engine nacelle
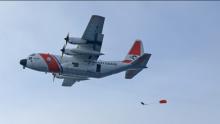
<point x="76" y="40"/>
<point x="81" y="52"/>
<point x="68" y="52"/>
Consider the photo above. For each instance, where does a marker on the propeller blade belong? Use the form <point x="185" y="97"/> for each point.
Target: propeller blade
<point x="67" y="38"/>
<point x="63" y="50"/>
<point x="64" y="46"/>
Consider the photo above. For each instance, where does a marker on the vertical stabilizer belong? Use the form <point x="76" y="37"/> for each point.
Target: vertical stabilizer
<point x="137" y="59"/>
<point x="136" y="51"/>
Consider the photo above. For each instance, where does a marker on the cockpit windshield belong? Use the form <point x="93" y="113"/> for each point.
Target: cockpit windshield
<point x="33" y="54"/>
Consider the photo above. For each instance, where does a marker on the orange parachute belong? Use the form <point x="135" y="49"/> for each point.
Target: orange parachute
<point x="163" y="101"/>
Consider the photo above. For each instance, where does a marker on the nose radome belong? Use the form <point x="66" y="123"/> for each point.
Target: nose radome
<point x="23" y="62"/>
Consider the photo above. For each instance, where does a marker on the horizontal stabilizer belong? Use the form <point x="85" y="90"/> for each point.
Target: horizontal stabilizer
<point x="137" y="65"/>
<point x="142" y="60"/>
<point x="131" y="73"/>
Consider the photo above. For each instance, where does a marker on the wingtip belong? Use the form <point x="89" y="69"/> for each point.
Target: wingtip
<point x="97" y="16"/>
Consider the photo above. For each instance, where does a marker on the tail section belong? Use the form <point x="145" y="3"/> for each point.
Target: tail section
<point x="137" y="66"/>
<point x="135" y="51"/>
<point x="137" y="58"/>
<point x="142" y="61"/>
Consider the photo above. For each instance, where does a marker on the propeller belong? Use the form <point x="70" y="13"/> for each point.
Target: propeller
<point x="63" y="50"/>
<point x="64" y="46"/>
<point x="67" y="38"/>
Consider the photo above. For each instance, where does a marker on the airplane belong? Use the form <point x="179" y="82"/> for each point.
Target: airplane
<point x="81" y="63"/>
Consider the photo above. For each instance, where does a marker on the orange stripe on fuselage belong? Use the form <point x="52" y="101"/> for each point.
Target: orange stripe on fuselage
<point x="51" y="62"/>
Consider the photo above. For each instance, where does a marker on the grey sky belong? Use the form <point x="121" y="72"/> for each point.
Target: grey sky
<point x="183" y="38"/>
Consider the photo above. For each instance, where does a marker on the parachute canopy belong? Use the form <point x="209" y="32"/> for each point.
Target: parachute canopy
<point x="163" y="101"/>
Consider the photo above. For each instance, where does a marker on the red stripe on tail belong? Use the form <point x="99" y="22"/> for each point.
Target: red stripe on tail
<point x="136" y="48"/>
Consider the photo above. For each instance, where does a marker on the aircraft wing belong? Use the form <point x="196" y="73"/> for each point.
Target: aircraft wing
<point x="68" y="82"/>
<point x="94" y="37"/>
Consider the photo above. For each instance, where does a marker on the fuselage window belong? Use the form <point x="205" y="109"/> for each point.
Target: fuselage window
<point x="75" y="64"/>
<point x="98" y="68"/>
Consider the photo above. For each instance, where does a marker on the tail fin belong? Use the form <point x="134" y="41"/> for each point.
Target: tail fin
<point x="137" y="65"/>
<point x="136" y="51"/>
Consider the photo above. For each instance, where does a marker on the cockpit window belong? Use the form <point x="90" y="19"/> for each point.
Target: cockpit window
<point x="30" y="58"/>
<point x="32" y="54"/>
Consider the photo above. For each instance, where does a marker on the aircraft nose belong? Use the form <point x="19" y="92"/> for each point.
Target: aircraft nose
<point x="23" y="62"/>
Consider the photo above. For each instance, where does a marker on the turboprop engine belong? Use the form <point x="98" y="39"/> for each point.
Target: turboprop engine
<point x="72" y="40"/>
<point x="80" y="52"/>
<point x="75" y="40"/>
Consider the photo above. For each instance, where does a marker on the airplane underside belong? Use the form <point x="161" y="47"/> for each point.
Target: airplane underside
<point x="99" y="71"/>
<point x="81" y="63"/>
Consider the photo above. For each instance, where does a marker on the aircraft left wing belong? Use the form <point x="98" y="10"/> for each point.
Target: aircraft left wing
<point x="69" y="80"/>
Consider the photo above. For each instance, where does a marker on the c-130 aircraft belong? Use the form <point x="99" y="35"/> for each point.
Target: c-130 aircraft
<point x="81" y="63"/>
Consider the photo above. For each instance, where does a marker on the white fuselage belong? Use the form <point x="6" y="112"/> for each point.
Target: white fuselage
<point x="70" y="66"/>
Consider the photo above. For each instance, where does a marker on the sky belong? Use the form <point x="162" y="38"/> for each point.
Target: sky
<point x="183" y="38"/>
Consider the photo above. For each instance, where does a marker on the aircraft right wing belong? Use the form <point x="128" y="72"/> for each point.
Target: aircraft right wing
<point x="94" y="29"/>
<point x="94" y="37"/>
